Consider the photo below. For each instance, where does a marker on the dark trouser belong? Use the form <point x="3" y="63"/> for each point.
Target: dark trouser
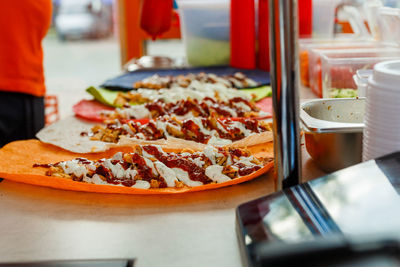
<point x="21" y="116"/>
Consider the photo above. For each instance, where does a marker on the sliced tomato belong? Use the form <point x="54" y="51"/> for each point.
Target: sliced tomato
<point x="90" y="110"/>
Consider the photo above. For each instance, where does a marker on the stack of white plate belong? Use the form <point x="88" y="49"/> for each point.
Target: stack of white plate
<point x="382" y="114"/>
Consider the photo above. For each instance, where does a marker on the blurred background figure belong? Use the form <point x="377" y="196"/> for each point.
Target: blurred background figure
<point x="23" y="25"/>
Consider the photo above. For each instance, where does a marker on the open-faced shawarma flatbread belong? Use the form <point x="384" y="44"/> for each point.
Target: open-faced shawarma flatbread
<point x="69" y="134"/>
<point x="16" y="166"/>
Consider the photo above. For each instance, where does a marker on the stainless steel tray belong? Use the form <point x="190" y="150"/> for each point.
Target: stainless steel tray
<point x="333" y="115"/>
<point x="333" y="131"/>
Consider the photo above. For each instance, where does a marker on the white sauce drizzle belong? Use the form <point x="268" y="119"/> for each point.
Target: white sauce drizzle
<point x="214" y="172"/>
<point x="198" y="162"/>
<point x="136" y="111"/>
<point x="218" y="141"/>
<point x="242" y="106"/>
<point x="212" y="153"/>
<point x="117" y="156"/>
<point x="198" y="121"/>
<point x="166" y="173"/>
<point x="73" y="167"/>
<point x="150" y="164"/>
<point x="246" y="161"/>
<point x="184" y="177"/>
<point x="117" y="169"/>
<point x="170" y="175"/>
<point x="96" y="180"/>
<point x="141" y="184"/>
<point x="127" y="128"/>
<point x="140" y="136"/>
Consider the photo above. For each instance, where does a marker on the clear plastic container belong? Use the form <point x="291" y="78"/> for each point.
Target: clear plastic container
<point x="332" y="71"/>
<point x="323" y="20"/>
<point x="305" y="45"/>
<point x="389" y="21"/>
<point x="205" y="31"/>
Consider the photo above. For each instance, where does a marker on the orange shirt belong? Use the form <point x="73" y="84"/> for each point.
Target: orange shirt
<point x="23" y="25"/>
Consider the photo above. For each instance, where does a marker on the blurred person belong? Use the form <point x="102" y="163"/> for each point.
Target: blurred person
<point x="23" y="25"/>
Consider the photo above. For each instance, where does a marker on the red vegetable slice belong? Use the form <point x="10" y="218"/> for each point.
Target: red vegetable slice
<point x="265" y="105"/>
<point x="90" y="110"/>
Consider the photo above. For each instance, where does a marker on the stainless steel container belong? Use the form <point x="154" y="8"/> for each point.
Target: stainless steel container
<point x="333" y="131"/>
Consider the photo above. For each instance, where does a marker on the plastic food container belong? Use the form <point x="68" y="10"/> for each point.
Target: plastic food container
<point x="323" y="20"/>
<point x="389" y="21"/>
<point x="333" y="131"/>
<point x="205" y="31"/>
<point x="332" y="71"/>
<point x="305" y="45"/>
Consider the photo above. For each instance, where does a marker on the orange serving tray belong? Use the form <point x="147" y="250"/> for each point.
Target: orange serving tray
<point x="17" y="159"/>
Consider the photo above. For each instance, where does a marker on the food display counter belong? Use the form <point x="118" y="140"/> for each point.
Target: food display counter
<point x="190" y="229"/>
<point x="181" y="164"/>
<point x="193" y="229"/>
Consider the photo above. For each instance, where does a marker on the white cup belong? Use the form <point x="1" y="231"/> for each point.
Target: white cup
<point x="382" y="115"/>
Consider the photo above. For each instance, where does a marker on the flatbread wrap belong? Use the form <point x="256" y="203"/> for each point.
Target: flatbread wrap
<point x="237" y="80"/>
<point x="196" y="133"/>
<point x="16" y="166"/>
